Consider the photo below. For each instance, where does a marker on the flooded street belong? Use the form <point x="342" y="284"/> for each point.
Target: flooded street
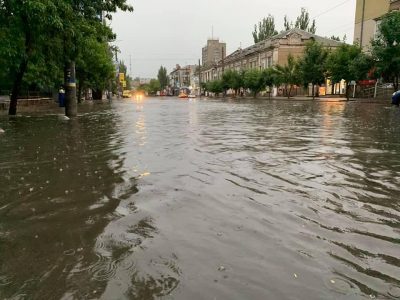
<point x="206" y="199"/>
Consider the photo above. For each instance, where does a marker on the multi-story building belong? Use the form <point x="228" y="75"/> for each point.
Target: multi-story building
<point x="213" y="52"/>
<point x="184" y="77"/>
<point x="270" y="52"/>
<point x="367" y="19"/>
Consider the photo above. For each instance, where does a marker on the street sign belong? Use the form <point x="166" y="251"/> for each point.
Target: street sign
<point x="121" y="77"/>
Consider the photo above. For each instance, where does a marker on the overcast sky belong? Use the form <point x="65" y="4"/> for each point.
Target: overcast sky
<point x="170" y="32"/>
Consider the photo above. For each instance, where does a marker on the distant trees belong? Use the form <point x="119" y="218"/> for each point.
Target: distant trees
<point x="253" y="81"/>
<point x="162" y="77"/>
<point x="312" y="66"/>
<point x="150" y="88"/>
<point x="288" y="75"/>
<point x="215" y="87"/>
<point x="303" y="22"/>
<point x="348" y="63"/>
<point x="265" y="29"/>
<point x="154" y="86"/>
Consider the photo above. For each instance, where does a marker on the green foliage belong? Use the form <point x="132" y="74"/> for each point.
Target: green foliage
<point x="312" y="65"/>
<point x="386" y="48"/>
<point x="302" y="22"/>
<point x="214" y="86"/>
<point x="232" y="79"/>
<point x="265" y="30"/>
<point x="39" y="37"/>
<point x="154" y="86"/>
<point x="253" y="80"/>
<point x="288" y="74"/>
<point x="163" y="77"/>
<point x="348" y="63"/>
<point x="268" y="77"/>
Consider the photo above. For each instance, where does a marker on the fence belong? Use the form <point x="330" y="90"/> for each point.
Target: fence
<point x="380" y="91"/>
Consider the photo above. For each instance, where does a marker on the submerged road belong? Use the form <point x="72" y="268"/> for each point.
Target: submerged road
<point x="202" y="199"/>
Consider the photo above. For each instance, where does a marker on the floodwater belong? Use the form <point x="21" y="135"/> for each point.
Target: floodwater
<point x="206" y="199"/>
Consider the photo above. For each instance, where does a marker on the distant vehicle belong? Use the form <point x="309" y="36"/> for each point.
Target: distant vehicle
<point x="396" y="98"/>
<point x="126" y="94"/>
<point x="183" y="95"/>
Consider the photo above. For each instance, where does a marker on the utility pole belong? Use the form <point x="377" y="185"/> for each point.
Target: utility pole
<point x="71" y="105"/>
<point x="130" y="64"/>
<point x="362" y="25"/>
<point x="199" y="79"/>
<point x="223" y="60"/>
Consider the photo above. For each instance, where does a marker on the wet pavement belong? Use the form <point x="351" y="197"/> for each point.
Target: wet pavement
<point x="202" y="199"/>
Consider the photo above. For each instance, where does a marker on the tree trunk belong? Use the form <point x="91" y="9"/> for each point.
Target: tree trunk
<point x="16" y="89"/>
<point x="333" y="88"/>
<point x="396" y="83"/>
<point x="71" y="105"/>
<point x="80" y="93"/>
<point x="313" y="91"/>
<point x="347" y="91"/>
<point x="290" y="91"/>
<point x="97" y="94"/>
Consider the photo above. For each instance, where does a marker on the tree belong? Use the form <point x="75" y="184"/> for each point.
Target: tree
<point x="302" y="22"/>
<point x="154" y="86"/>
<point x="33" y="32"/>
<point x="386" y="48"/>
<point x="288" y="75"/>
<point x="163" y="77"/>
<point x="312" y="66"/>
<point x="214" y="86"/>
<point x="26" y="27"/>
<point x="265" y="30"/>
<point x="253" y="80"/>
<point x="94" y="66"/>
<point x="286" y="24"/>
<point x="348" y="63"/>
<point x="268" y="78"/>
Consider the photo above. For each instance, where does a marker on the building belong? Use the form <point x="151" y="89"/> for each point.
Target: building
<point x="265" y="54"/>
<point x="270" y="52"/>
<point x="368" y="14"/>
<point x="184" y="77"/>
<point x="213" y="52"/>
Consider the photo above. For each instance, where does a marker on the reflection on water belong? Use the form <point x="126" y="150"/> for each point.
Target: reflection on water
<point x="202" y="199"/>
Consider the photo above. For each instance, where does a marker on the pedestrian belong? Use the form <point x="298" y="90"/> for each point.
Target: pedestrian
<point x="61" y="97"/>
<point x="396" y="98"/>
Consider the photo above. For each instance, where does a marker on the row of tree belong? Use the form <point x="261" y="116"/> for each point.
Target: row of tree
<point x="47" y="43"/>
<point x="266" y="27"/>
<point x="347" y="62"/>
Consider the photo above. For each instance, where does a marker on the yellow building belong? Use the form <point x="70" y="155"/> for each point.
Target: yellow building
<point x="368" y="13"/>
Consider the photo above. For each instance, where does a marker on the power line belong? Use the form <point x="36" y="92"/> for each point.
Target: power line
<point x="328" y="10"/>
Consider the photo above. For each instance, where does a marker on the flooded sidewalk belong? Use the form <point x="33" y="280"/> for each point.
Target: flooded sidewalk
<point x="202" y="199"/>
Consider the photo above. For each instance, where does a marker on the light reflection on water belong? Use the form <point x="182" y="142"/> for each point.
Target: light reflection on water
<point x="203" y="199"/>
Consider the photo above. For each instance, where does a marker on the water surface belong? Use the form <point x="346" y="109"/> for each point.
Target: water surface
<point x="210" y="199"/>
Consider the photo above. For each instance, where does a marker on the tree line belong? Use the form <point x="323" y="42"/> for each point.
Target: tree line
<point x="45" y="44"/>
<point x="346" y="62"/>
<point x="266" y="27"/>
